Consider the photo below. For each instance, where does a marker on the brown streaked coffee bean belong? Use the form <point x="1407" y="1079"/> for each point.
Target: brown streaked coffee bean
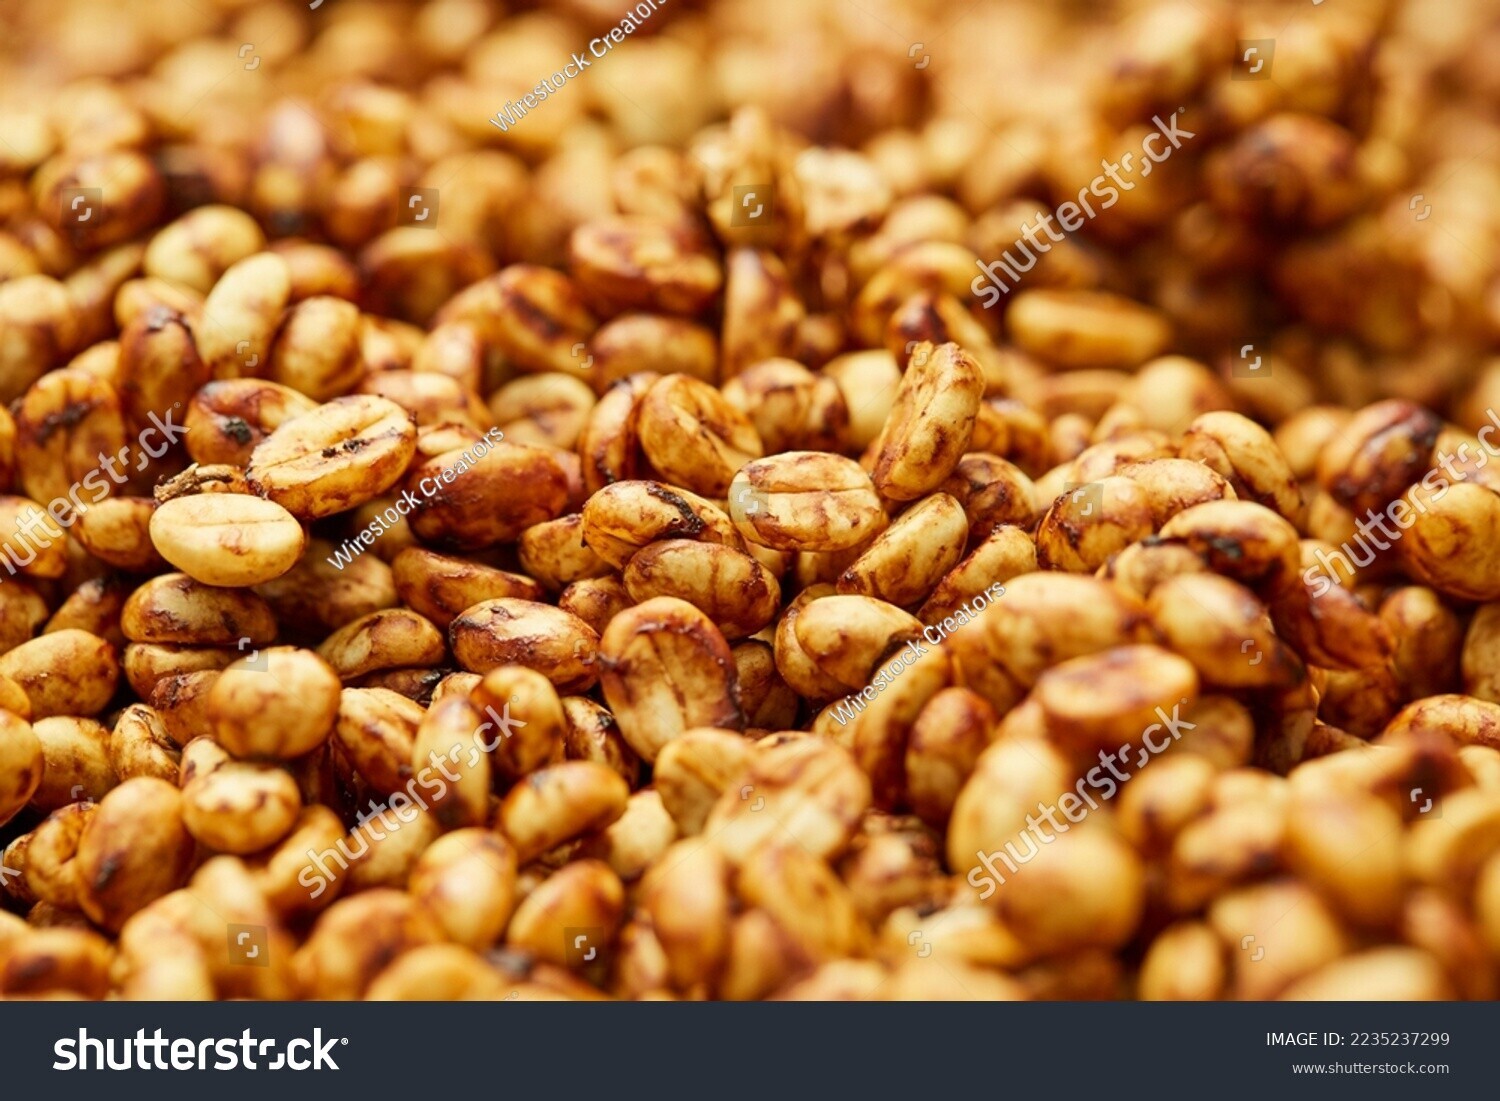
<point x="1382" y="450"/>
<point x="63" y="425"/>
<point x="868" y="382"/>
<point x="1247" y="456"/>
<point x="47" y="862"/>
<point x="160" y="370"/>
<point x="1006" y="553"/>
<point x="245" y="306"/>
<point x="694" y="436"/>
<point x="590" y="733"/>
<point x="94" y="606"/>
<point x="609" y="443"/>
<point x="805" y="793"/>
<point x="440" y="586"/>
<point x="555" y="554"/>
<point x="198" y="248"/>
<point x="1087" y="329"/>
<point x="952" y="729"/>
<point x="1224" y="631"/>
<point x="173" y="607"/>
<point x="134" y="849"/>
<point x="790" y="407"/>
<point x="766" y="699"/>
<point x="7" y="450"/>
<point x="434" y="398"/>
<point x="547" y="410"/>
<point x="1240" y="539"/>
<point x="117" y="531"/>
<point x="585" y="894"/>
<point x="731" y="588"/>
<point x="140" y="746"/>
<point x="846" y="637"/>
<point x="693" y="770"/>
<point x="226" y="420"/>
<point x="357" y="937"/>
<point x="75" y="762"/>
<point x="636" y="263"/>
<point x="240" y="807"/>
<point x="467" y="878"/>
<point x="507" y="631"/>
<point x="533" y="315"/>
<point x="1103" y="701"/>
<point x="1449" y="544"/>
<point x="907" y="560"/>
<point x="1175" y="484"/>
<point x="181" y="702"/>
<point x="930" y="426"/>
<point x="335" y="457"/>
<point x="148" y="663"/>
<point x="280" y="703"/>
<point x="375" y="730"/>
<point x="1092" y="894"/>
<point x="559" y="803"/>
<point x="805" y="501"/>
<point x="95" y="288"/>
<point x="57" y="962"/>
<point x="21" y="762"/>
<point x="878" y="733"/>
<point x="596" y="600"/>
<point x="634" y="841"/>
<point x="531" y="737"/>
<point x="453" y="348"/>
<point x="665" y="669"/>
<point x="322" y="591"/>
<point x="68" y="672"/>
<point x="449" y="737"/>
<point x="762" y="312"/>
<point x="620" y="519"/>
<point x="486" y="494"/>
<point x="31" y="541"/>
<point x="138" y="297"/>
<point x="316" y="350"/>
<point x="636" y="342"/>
<point x="394" y="638"/>
<point x="1084" y="527"/>
<point x="992" y="491"/>
<point x="131" y="192"/>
